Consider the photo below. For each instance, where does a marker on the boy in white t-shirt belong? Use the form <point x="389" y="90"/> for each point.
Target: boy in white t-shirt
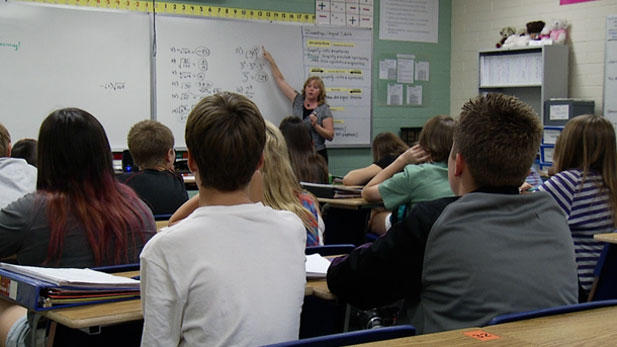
<point x="17" y="177"/>
<point x="232" y="273"/>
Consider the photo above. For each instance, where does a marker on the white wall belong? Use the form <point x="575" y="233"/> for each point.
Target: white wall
<point x="476" y="25"/>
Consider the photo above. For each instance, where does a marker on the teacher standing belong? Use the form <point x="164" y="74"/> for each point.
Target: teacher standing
<point x="310" y="105"/>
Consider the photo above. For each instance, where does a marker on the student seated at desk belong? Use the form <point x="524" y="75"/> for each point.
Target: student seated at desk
<point x="276" y="186"/>
<point x="25" y="149"/>
<point x="424" y="175"/>
<point x="282" y="190"/>
<point x="386" y="147"/>
<point x="306" y="163"/>
<point x="17" y="177"/>
<point x="151" y="144"/>
<point x="585" y="187"/>
<point x="460" y="261"/>
<point x="80" y="215"/>
<point x="231" y="273"/>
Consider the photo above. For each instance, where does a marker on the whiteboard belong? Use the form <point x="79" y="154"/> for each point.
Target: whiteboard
<point x="55" y="57"/>
<point x="197" y="57"/>
<point x="610" y="71"/>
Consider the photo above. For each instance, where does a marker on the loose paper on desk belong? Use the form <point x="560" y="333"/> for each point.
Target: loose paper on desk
<point x="316" y="266"/>
<point x="82" y="278"/>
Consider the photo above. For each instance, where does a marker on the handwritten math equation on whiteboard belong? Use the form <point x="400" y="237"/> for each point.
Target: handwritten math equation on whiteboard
<point x="193" y="72"/>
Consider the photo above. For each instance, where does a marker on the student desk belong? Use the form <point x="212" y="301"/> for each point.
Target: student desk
<point x="346" y="219"/>
<point x="86" y="316"/>
<point x="349" y="203"/>
<point x="609" y="237"/>
<point x="592" y="327"/>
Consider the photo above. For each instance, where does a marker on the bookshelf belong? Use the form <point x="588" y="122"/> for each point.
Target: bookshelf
<point x="533" y="74"/>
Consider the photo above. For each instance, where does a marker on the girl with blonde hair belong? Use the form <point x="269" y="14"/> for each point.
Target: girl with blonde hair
<point x="585" y="187"/>
<point x="282" y="190"/>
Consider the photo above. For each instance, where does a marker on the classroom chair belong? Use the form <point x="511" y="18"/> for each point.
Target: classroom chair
<point x="165" y="216"/>
<point x="371" y="237"/>
<point x="513" y="317"/>
<point x="353" y="337"/>
<point x="127" y="162"/>
<point x="326" y="250"/>
<point x="605" y="275"/>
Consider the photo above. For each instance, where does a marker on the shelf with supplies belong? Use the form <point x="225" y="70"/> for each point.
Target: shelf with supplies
<point x="550" y="134"/>
<point x="557" y="112"/>
<point x="533" y="74"/>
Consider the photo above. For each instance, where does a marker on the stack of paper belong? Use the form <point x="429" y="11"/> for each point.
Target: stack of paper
<point x="316" y="266"/>
<point x="41" y="288"/>
<point x="71" y="277"/>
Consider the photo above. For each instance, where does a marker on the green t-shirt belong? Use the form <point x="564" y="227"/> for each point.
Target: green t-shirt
<point x="414" y="184"/>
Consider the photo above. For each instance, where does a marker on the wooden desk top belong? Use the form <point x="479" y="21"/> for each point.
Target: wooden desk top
<point x="591" y="327"/>
<point x="446" y="338"/>
<point x="319" y="288"/>
<point x="130" y="310"/>
<point x="349" y="203"/>
<point x="93" y="315"/>
<point x="610" y="237"/>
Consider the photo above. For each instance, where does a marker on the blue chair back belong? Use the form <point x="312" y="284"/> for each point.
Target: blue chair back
<point x="513" y="317"/>
<point x="326" y="250"/>
<point x="162" y="216"/>
<point x="605" y="273"/>
<point x="353" y="337"/>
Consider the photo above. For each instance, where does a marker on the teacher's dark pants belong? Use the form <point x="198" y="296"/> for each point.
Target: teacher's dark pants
<point x="324" y="154"/>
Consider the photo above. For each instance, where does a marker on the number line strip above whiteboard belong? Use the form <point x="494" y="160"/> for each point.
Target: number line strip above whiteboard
<point x="190" y="9"/>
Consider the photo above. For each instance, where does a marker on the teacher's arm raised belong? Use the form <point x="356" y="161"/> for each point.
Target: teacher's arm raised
<point x="289" y="92"/>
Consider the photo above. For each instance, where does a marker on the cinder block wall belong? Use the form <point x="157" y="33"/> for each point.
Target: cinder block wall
<point x="476" y="25"/>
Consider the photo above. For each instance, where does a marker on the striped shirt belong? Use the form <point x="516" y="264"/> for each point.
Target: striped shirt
<point x="588" y="210"/>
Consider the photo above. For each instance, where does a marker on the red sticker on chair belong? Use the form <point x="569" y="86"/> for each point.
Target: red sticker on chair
<point x="481" y="335"/>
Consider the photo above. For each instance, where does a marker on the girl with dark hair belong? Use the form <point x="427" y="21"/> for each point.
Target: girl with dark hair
<point x="307" y="165"/>
<point x="80" y="215"/>
<point x="418" y="174"/>
<point x="387" y="146"/>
